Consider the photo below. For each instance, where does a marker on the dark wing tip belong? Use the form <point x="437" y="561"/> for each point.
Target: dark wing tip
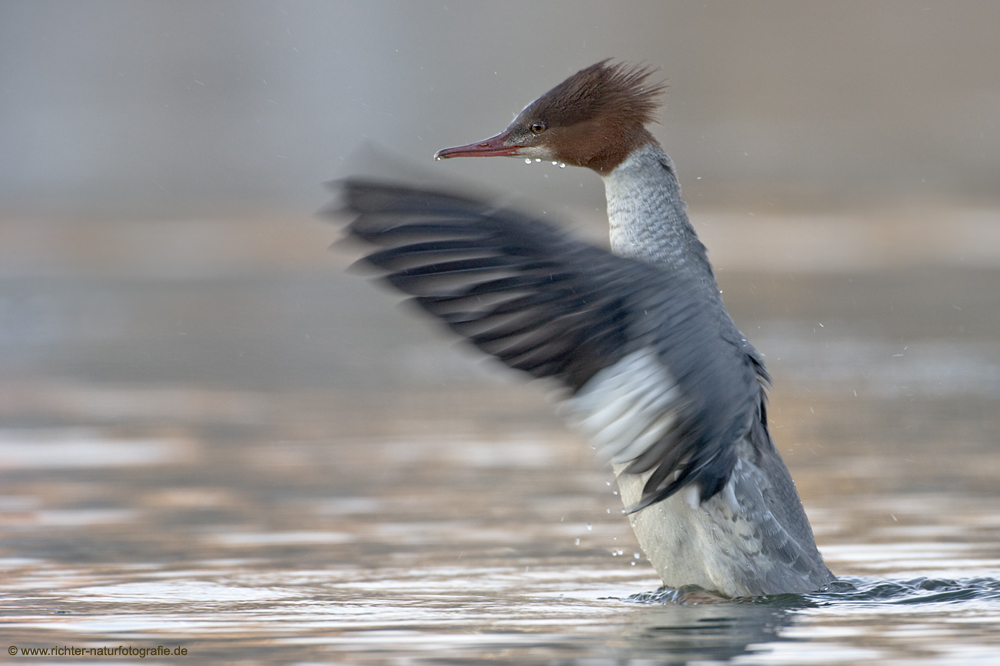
<point x="516" y="287"/>
<point x="369" y="195"/>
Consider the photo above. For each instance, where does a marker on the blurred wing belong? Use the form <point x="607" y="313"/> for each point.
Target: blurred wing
<point x="659" y="379"/>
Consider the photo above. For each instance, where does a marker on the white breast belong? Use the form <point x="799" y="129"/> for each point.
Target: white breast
<point x="690" y="543"/>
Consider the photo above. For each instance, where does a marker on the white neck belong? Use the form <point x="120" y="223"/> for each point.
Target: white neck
<point x="647" y="215"/>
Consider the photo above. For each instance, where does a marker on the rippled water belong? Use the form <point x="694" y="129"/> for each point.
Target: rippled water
<point x="285" y="469"/>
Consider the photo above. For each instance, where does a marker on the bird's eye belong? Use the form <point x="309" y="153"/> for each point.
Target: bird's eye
<point x="538" y="128"/>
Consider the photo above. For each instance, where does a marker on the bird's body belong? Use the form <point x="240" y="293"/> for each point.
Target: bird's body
<point x="659" y="378"/>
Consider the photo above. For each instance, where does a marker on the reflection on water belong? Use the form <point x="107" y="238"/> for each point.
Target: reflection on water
<point x="285" y="469"/>
<point x="237" y="542"/>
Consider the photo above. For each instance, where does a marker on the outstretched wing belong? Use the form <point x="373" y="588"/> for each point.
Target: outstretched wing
<point x="659" y="379"/>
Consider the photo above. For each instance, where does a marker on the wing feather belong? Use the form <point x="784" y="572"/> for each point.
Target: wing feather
<point x="657" y="378"/>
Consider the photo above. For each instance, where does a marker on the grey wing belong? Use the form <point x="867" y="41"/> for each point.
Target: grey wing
<point x="681" y="403"/>
<point x="787" y="555"/>
<point x="654" y="375"/>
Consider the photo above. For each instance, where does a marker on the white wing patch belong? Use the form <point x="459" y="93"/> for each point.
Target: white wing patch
<point x="627" y="407"/>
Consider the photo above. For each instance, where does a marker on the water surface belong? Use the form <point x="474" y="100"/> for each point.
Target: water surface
<point x="285" y="468"/>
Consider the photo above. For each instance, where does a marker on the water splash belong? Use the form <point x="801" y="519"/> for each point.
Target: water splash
<point x="850" y="591"/>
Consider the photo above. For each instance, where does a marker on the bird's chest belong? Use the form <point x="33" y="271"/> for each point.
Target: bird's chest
<point x="692" y="544"/>
<point x="640" y="226"/>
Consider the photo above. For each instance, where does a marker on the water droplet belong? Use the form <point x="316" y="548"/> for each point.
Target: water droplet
<point x="538" y="159"/>
<point x="633" y="562"/>
<point x="635" y="555"/>
<point x="578" y="542"/>
<point x="555" y="163"/>
<point x="621" y="552"/>
<point x="614" y="554"/>
<point x="437" y="158"/>
<point x="590" y="526"/>
<point x="527" y="160"/>
<point x="562" y="165"/>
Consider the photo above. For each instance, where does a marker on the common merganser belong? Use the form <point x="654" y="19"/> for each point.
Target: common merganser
<point x="659" y="378"/>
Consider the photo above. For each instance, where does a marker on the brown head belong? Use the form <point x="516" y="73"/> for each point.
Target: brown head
<point x="593" y="119"/>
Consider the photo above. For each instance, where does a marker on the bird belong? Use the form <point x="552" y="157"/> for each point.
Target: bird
<point x="653" y="370"/>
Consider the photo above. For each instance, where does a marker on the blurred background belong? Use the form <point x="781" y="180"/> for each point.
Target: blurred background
<point x="198" y="401"/>
<point x="154" y="154"/>
<point x="176" y="108"/>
